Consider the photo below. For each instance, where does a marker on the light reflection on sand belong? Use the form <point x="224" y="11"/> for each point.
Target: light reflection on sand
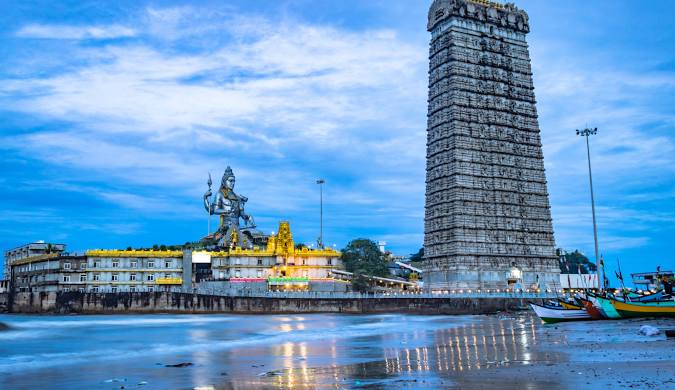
<point x="488" y="343"/>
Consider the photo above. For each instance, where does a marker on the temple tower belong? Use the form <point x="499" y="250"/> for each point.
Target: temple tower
<point x="487" y="214"/>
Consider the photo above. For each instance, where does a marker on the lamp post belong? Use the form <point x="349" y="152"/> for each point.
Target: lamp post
<point x="587" y="133"/>
<point x="320" y="182"/>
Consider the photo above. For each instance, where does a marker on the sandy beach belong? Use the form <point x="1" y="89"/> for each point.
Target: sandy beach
<point x="331" y="351"/>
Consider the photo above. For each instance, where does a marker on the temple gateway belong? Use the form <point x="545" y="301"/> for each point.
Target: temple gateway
<point x="487" y="218"/>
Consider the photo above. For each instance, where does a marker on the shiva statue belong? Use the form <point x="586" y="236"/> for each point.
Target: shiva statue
<point x="230" y="207"/>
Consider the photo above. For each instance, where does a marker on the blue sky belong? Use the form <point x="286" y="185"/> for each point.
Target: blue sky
<point x="112" y="113"/>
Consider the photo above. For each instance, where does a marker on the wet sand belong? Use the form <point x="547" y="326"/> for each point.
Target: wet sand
<point x="331" y="351"/>
<point x="515" y="352"/>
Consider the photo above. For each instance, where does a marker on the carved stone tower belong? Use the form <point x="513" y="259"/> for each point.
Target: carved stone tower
<point x="487" y="214"/>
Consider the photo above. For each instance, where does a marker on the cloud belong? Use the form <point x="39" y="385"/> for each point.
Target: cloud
<point x="55" y="31"/>
<point x="284" y="101"/>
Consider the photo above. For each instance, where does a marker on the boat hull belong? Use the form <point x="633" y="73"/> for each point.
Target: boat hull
<point x="569" y="306"/>
<point x="550" y="315"/>
<point x="593" y="311"/>
<point x="606" y="306"/>
<point x="652" y="309"/>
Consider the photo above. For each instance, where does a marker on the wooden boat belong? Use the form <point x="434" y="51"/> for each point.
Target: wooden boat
<point x="635" y="297"/>
<point x="593" y="311"/>
<point x="550" y="315"/>
<point x="650" y="309"/>
<point x="568" y="306"/>
<point x="605" y="306"/>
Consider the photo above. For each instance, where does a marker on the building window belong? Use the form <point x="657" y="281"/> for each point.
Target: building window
<point x="237" y="274"/>
<point x="259" y="273"/>
<point x="113" y="289"/>
<point x="66" y="278"/>
<point x="304" y="261"/>
<point x="115" y="264"/>
<point x="259" y="261"/>
<point x="96" y="264"/>
<point x="115" y="277"/>
<point x="167" y="275"/>
<point x="330" y="262"/>
<point x="237" y="261"/>
<point x="66" y="289"/>
<point x="150" y="289"/>
<point x="133" y="264"/>
<point x="83" y="277"/>
<point x="150" y="277"/>
<point x="132" y="277"/>
<point x="81" y="289"/>
<point x="167" y="264"/>
<point x="83" y="265"/>
<point x="94" y="289"/>
<point x="132" y="289"/>
<point x="66" y="265"/>
<point x="151" y="264"/>
<point x="97" y="277"/>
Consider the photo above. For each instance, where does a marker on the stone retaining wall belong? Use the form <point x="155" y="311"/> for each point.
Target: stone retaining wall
<point x="174" y="302"/>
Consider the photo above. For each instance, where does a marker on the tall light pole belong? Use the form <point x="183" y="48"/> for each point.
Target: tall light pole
<point x="587" y="133"/>
<point x="320" y="182"/>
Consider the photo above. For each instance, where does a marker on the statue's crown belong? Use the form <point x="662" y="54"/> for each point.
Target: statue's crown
<point x="228" y="172"/>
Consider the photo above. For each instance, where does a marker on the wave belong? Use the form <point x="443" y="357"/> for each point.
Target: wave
<point x="12" y="364"/>
<point x="131" y="321"/>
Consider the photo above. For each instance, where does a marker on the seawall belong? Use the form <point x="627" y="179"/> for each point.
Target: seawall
<point x="176" y="302"/>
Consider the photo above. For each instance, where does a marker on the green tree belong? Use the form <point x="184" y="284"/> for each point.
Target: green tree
<point x="360" y="283"/>
<point x="300" y="246"/>
<point x="419" y="256"/>
<point x="162" y="247"/>
<point x="363" y="257"/>
<point x="574" y="262"/>
<point x="155" y="247"/>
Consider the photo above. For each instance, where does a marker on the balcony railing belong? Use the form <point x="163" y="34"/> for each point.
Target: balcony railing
<point x="378" y="295"/>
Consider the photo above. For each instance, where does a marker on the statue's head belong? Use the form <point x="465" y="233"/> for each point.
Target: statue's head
<point x="228" y="179"/>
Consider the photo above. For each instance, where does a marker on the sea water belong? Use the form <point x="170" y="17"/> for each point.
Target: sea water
<point x="281" y="351"/>
<point x="111" y="351"/>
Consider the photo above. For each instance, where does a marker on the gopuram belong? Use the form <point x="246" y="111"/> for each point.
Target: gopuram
<point x="487" y="214"/>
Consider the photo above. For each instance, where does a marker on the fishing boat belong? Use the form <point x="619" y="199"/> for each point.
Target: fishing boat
<point x="605" y="306"/>
<point x="636" y="297"/>
<point x="569" y="306"/>
<point x="551" y="315"/>
<point x="592" y="310"/>
<point x="649" y="309"/>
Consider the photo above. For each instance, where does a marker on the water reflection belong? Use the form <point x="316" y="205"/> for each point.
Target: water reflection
<point x="489" y="343"/>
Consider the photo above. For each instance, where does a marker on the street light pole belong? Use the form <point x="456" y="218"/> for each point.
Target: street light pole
<point x="320" y="182"/>
<point x="586" y="133"/>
